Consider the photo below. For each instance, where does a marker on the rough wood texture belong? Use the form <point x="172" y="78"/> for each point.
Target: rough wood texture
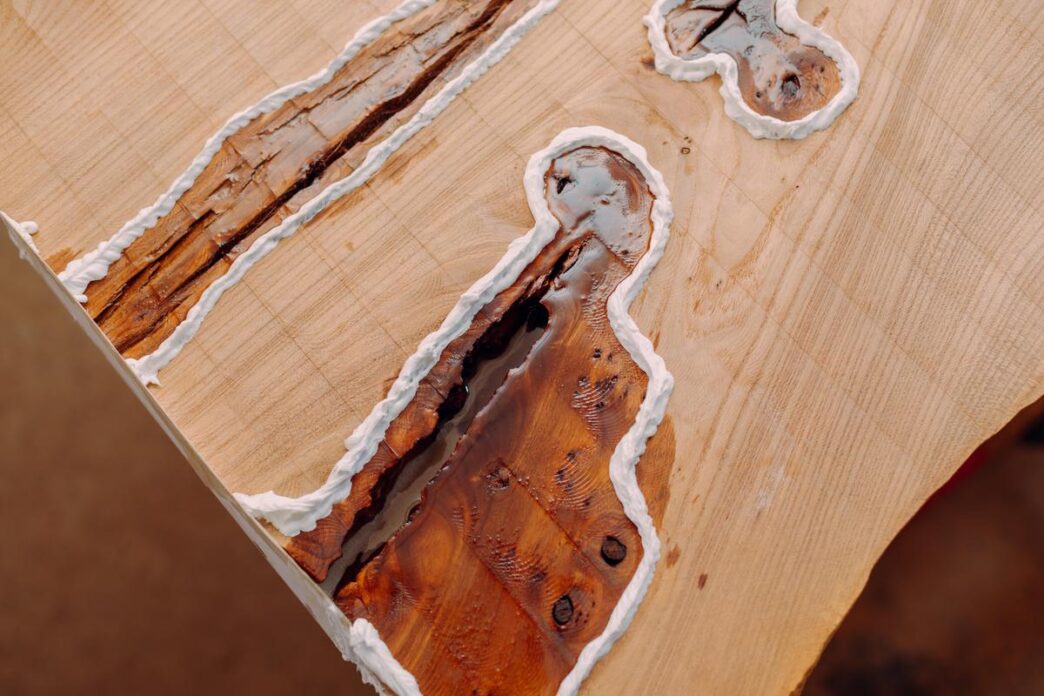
<point x="778" y="75"/>
<point x="519" y="549"/>
<point x="846" y="317"/>
<point x="102" y="601"/>
<point x="280" y="161"/>
<point x="626" y="200"/>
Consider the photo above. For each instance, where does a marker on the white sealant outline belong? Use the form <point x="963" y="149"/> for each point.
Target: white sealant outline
<point x="148" y="366"/>
<point x="25" y="229"/>
<point x="759" y="125"/>
<point x="359" y="640"/>
<point x="94" y="265"/>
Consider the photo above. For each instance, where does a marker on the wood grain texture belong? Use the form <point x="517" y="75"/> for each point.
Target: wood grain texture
<point x="279" y="161"/>
<point x="519" y="549"/>
<point x="846" y="317"/>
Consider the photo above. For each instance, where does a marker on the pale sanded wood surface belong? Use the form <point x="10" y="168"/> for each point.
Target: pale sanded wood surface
<point x="846" y="317"/>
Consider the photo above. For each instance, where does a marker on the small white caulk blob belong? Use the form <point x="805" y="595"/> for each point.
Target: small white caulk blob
<point x="759" y="125"/>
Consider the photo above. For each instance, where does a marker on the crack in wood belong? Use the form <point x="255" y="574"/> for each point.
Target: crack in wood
<point x="414" y="430"/>
<point x="778" y="75"/>
<point x="279" y="161"/>
<point x="518" y="545"/>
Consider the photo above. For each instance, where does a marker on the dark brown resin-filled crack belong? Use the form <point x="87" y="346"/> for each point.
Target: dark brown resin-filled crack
<point x="279" y="161"/>
<point x="485" y="540"/>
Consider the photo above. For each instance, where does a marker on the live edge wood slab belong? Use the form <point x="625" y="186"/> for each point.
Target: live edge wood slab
<point x="846" y="317"/>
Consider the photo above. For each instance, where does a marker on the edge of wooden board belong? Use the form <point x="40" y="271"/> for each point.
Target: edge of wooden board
<point x="307" y="592"/>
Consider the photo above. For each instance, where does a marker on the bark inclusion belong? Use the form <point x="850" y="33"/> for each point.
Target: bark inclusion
<point x="279" y="161"/>
<point x="485" y="540"/>
<point x="778" y="75"/>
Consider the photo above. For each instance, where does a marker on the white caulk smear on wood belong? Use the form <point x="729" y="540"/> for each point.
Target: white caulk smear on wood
<point x="94" y="265"/>
<point x="294" y="515"/>
<point x="148" y="367"/>
<point x="759" y="125"/>
<point x="25" y="230"/>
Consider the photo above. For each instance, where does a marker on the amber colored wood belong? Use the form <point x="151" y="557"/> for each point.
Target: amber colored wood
<point x="778" y="75"/>
<point x="317" y="549"/>
<point x="520" y="548"/>
<point x="846" y="317"/>
<point x="281" y="160"/>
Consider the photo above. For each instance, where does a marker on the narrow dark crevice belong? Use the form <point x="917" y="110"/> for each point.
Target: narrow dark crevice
<point x="504" y="346"/>
<point x="373" y="121"/>
<point x="727" y="12"/>
<point x="561" y="183"/>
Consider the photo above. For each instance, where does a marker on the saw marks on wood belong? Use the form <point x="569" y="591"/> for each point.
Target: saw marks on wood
<point x="279" y="161"/>
<point x="778" y="75"/>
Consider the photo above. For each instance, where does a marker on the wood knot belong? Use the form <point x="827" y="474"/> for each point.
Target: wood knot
<point x="613" y="551"/>
<point x="562" y="611"/>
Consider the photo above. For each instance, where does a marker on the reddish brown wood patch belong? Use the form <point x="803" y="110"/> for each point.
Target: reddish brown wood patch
<point x="778" y="75"/>
<point x="518" y="550"/>
<point x="279" y="161"/>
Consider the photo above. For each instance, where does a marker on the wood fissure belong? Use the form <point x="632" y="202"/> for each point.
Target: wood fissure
<point x="715" y="23"/>
<point x="778" y="75"/>
<point x="523" y="505"/>
<point x="436" y="402"/>
<point x="522" y="317"/>
<point x="279" y="161"/>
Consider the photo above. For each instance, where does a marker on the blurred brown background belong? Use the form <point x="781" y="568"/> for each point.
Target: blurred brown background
<point x="122" y="574"/>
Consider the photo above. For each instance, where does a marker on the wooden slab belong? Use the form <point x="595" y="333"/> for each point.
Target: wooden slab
<point x="846" y="317"/>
